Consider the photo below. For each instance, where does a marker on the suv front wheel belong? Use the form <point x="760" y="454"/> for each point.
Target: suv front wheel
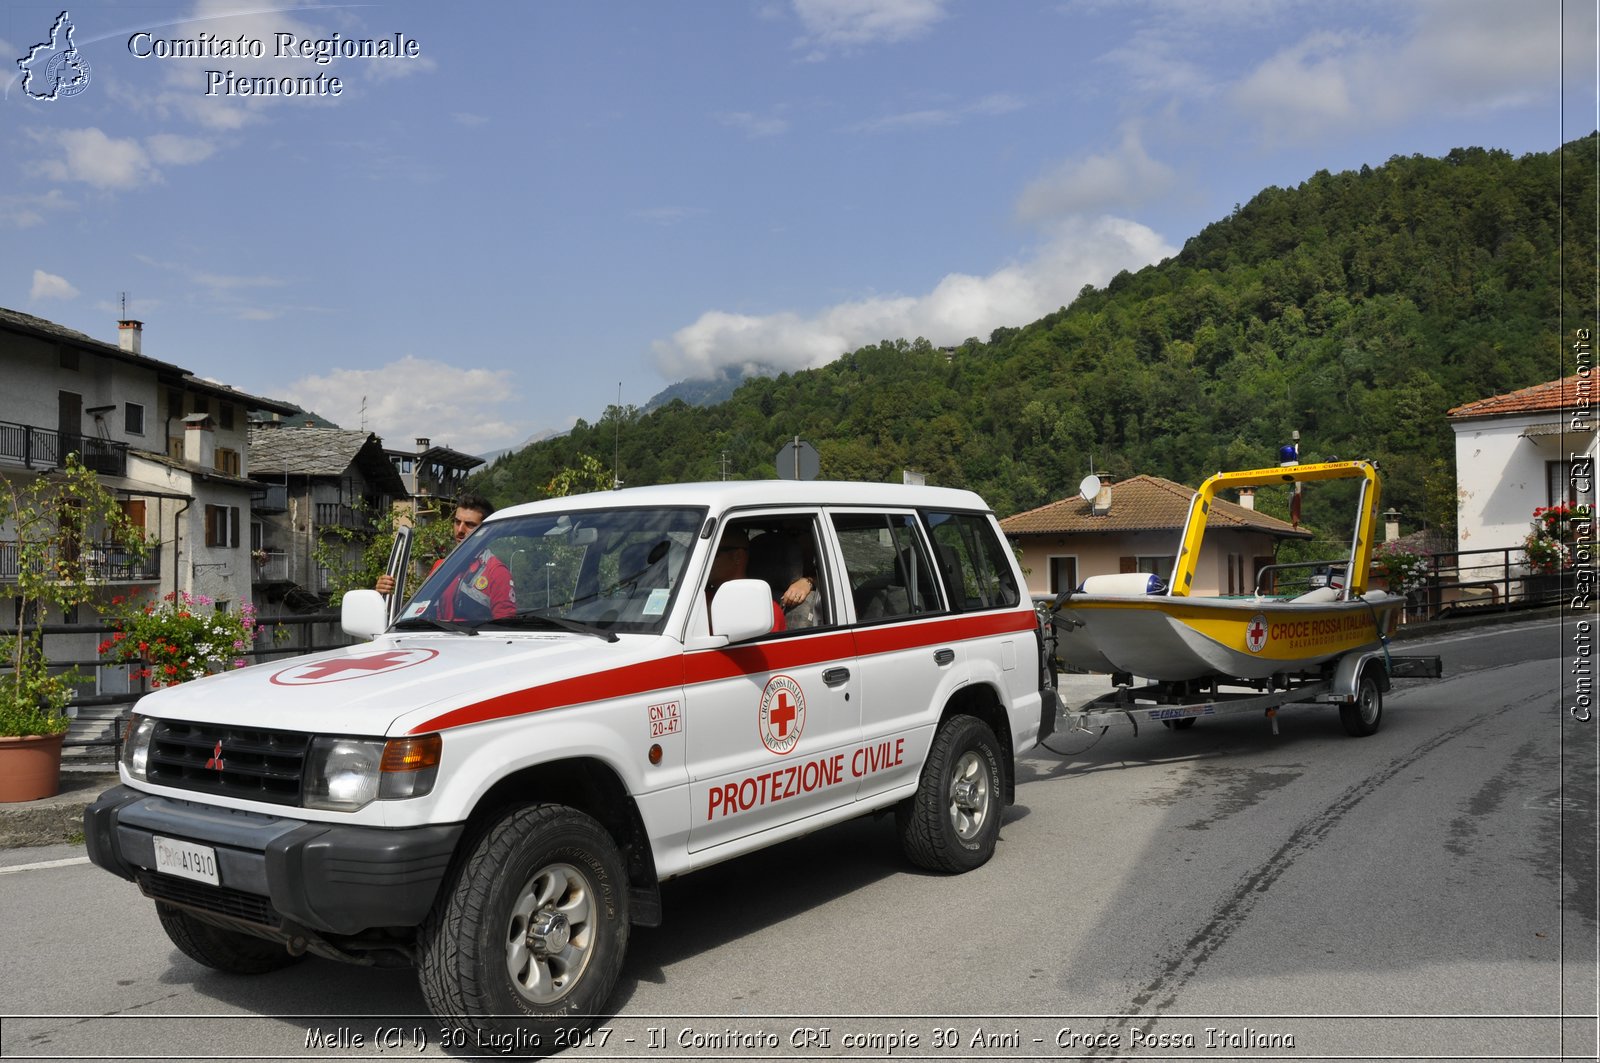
<point x="530" y="938"/>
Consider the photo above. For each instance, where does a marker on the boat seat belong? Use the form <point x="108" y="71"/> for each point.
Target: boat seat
<point x="1123" y="585"/>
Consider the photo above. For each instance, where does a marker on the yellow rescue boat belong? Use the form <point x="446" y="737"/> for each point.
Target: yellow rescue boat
<point x="1114" y="624"/>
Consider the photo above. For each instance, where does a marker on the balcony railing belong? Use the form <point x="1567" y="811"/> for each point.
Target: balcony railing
<point x="338" y="515"/>
<point x="105" y="562"/>
<point x="269" y="566"/>
<point x="33" y="447"/>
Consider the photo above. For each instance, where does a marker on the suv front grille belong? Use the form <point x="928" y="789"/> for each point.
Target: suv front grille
<point x="247" y="763"/>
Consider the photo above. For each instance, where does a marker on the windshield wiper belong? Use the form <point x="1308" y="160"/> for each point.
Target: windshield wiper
<point x="537" y="619"/>
<point x="457" y="626"/>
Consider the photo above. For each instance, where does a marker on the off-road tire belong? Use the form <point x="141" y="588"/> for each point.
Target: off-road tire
<point x="233" y="951"/>
<point x="479" y="962"/>
<point x="1365" y="716"/>
<point x="953" y="821"/>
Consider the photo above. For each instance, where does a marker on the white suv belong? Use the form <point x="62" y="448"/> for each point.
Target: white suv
<point x="686" y="673"/>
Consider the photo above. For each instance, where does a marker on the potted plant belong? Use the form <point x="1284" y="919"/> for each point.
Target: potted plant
<point x="1547" y="547"/>
<point x="178" y="638"/>
<point x="49" y="520"/>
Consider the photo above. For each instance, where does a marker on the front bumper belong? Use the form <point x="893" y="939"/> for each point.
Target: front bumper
<point x="326" y="877"/>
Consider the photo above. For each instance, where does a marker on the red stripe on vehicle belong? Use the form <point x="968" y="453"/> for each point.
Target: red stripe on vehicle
<point x="709" y="666"/>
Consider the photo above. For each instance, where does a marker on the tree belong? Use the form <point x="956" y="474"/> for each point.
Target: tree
<point x="431" y="538"/>
<point x="53" y="520"/>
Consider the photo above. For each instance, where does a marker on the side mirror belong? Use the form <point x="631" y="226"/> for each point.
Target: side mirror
<point x="741" y="610"/>
<point x="364" y="614"/>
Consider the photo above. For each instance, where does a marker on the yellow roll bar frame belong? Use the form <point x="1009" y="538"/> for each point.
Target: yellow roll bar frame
<point x="1194" y="527"/>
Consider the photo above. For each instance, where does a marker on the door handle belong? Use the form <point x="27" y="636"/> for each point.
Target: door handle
<point x="836" y="676"/>
<point x="943" y="657"/>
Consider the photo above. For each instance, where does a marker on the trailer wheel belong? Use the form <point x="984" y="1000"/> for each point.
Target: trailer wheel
<point x="529" y="940"/>
<point x="1363" y="717"/>
<point x="212" y="946"/>
<point x="953" y="821"/>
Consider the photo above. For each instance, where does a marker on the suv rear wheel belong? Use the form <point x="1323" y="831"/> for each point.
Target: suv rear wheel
<point x="953" y="820"/>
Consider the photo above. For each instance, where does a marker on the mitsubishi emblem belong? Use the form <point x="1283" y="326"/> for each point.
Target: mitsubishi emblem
<point x="216" y="757"/>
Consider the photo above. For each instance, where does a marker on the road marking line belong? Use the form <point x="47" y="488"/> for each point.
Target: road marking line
<point x="44" y="864"/>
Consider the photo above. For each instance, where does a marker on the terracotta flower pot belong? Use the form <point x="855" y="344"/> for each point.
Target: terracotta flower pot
<point x="30" y="767"/>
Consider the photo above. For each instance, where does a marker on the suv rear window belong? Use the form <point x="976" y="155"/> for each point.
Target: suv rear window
<point x="972" y="560"/>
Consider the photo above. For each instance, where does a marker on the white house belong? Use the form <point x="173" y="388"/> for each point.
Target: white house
<point x="1135" y="526"/>
<point x="1520" y="451"/>
<point x="172" y="446"/>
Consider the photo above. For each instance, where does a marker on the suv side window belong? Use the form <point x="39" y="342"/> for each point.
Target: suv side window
<point x="888" y="568"/>
<point x="783" y="552"/>
<point x="972" y="561"/>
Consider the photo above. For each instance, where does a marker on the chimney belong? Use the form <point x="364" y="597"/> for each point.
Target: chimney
<point x="199" y="444"/>
<point x="1247" y="497"/>
<point x="128" y="333"/>
<point x="1391" y="524"/>
<point x="1100" y="505"/>
<point x="422" y="444"/>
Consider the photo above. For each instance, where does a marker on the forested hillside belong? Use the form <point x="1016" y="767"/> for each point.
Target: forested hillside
<point x="1357" y="308"/>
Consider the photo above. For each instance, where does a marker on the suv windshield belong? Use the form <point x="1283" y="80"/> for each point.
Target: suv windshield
<point x="604" y="570"/>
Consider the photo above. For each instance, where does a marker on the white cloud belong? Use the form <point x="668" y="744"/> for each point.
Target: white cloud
<point x="927" y="118"/>
<point x="1459" y="57"/>
<point x="754" y="125"/>
<point x="834" y="25"/>
<point x="668" y="215"/>
<point x="107" y="162"/>
<point x="1125" y="177"/>
<point x="26" y="211"/>
<point x="472" y="410"/>
<point x="174" y="150"/>
<point x="90" y="156"/>
<point x="1078" y="252"/>
<point x="50" y="286"/>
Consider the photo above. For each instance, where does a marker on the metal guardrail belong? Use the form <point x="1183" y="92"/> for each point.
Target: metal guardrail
<point x="98" y="719"/>
<point x="1454" y="583"/>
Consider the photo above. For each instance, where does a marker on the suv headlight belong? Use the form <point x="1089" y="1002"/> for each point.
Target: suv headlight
<point x="347" y="774"/>
<point x="136" y="746"/>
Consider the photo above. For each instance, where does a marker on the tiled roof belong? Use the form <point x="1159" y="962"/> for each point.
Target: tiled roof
<point x="305" y="451"/>
<point x="18" y="321"/>
<point x="1565" y="394"/>
<point x="1142" y="503"/>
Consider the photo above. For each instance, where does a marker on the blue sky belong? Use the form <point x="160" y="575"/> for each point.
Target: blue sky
<point x="480" y="242"/>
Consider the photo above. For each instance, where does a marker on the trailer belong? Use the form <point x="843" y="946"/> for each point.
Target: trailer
<point x="1354" y="682"/>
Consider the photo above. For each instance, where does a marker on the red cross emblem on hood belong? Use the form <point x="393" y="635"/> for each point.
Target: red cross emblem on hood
<point x="338" y="669"/>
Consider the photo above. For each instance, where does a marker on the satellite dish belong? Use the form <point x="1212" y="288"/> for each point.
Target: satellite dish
<point x="1089" y="487"/>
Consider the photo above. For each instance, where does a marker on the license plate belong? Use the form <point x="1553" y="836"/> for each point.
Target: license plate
<point x="187" y="860"/>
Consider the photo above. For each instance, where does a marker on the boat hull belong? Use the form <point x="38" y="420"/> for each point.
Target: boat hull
<point x="1181" y="638"/>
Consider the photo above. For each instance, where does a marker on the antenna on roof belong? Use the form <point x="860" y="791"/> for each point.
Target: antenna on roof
<point x="363" y="413"/>
<point x="124" y="306"/>
<point x="616" y="451"/>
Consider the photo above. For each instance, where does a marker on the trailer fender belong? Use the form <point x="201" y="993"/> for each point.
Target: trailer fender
<point x="1349" y="669"/>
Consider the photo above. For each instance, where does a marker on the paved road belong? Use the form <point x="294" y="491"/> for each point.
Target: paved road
<point x="1218" y="893"/>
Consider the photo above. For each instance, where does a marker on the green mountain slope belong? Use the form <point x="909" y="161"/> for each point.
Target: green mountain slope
<point x="1356" y="308"/>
